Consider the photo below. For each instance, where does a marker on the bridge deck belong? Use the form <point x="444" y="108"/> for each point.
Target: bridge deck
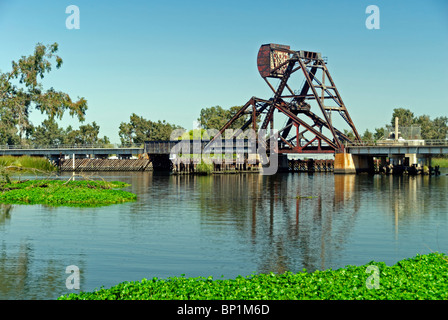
<point x="69" y="150"/>
<point x="429" y="147"/>
<point x="440" y="147"/>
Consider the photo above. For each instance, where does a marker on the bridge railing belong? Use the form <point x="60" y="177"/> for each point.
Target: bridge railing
<point x="72" y="146"/>
<point x="380" y="143"/>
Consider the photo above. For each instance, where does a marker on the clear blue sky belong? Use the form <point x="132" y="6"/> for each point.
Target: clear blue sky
<point x="168" y="59"/>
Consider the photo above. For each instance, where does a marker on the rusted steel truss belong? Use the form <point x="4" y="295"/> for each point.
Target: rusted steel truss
<point x="303" y="131"/>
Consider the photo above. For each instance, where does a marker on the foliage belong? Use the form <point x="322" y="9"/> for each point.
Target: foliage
<point x="204" y="168"/>
<point x="430" y="129"/>
<point x="422" y="277"/>
<point x="349" y="134"/>
<point x="197" y="134"/>
<point x="367" y="136"/>
<point x="21" y="91"/>
<point x="50" y="134"/>
<point x="216" y="117"/>
<point x="406" y="117"/>
<point x="139" y="130"/>
<point x="64" y="193"/>
<point x="86" y="134"/>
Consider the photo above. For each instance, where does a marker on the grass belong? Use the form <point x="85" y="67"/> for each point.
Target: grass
<point x="442" y="162"/>
<point x="64" y="193"/>
<point x="204" y="168"/>
<point x="422" y="277"/>
<point x="27" y="163"/>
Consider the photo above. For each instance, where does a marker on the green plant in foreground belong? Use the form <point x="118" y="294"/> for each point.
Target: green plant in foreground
<point x="204" y="168"/>
<point x="422" y="277"/>
<point x="64" y="193"/>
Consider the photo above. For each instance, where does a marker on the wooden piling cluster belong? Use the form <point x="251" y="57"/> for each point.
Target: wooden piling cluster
<point x="105" y="165"/>
<point x="310" y="165"/>
<point x="195" y="168"/>
<point x="86" y="164"/>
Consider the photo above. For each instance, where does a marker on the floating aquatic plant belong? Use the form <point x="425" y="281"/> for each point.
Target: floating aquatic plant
<point x="422" y="277"/>
<point x="64" y="193"/>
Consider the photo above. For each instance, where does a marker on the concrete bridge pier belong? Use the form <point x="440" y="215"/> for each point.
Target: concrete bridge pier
<point x="347" y="163"/>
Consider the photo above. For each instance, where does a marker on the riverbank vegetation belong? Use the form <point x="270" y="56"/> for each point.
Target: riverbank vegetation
<point x="84" y="193"/>
<point x="26" y="163"/>
<point x="442" y="162"/>
<point x="429" y="129"/>
<point x="422" y="277"/>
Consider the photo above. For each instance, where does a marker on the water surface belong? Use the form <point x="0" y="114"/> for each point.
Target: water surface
<point x="221" y="226"/>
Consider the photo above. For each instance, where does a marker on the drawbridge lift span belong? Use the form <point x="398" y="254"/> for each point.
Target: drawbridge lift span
<point x="307" y="112"/>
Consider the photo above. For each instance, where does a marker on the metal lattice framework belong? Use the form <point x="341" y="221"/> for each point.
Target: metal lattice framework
<point x="304" y="131"/>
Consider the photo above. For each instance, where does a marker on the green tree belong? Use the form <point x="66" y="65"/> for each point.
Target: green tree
<point x="139" y="130"/>
<point x="350" y="134"/>
<point x="216" y="117"/>
<point x="406" y="117"/>
<point x="367" y="136"/>
<point x="48" y="133"/>
<point x="441" y="127"/>
<point x="430" y="129"/>
<point x="379" y="134"/>
<point x="86" y="134"/>
<point x="21" y="91"/>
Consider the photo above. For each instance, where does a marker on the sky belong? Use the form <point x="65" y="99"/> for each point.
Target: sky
<point x="166" y="60"/>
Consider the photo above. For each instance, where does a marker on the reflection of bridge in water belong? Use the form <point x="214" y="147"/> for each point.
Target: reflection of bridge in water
<point x="289" y="220"/>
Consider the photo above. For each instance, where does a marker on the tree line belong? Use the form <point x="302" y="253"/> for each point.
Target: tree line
<point x="21" y="92"/>
<point x="430" y="129"/>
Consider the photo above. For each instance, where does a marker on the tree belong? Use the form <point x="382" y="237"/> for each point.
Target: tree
<point x="441" y="125"/>
<point x="21" y="91"/>
<point x="405" y="117"/>
<point x="367" y="136"/>
<point x="379" y="134"/>
<point x="216" y="117"/>
<point x="48" y="133"/>
<point x="430" y="129"/>
<point x="350" y="134"/>
<point x="139" y="130"/>
<point x="86" y="134"/>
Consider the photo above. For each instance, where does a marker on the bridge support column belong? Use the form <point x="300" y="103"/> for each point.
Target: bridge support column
<point x="364" y="164"/>
<point x="344" y="163"/>
<point x="350" y="163"/>
<point x="283" y="163"/>
<point x="161" y="162"/>
<point x="411" y="159"/>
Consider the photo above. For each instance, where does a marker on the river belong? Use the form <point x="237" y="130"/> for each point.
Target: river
<point x="221" y="226"/>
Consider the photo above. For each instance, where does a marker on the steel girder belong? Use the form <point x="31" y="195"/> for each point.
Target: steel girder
<point x="303" y="131"/>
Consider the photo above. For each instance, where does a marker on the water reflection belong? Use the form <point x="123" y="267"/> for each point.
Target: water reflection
<point x="25" y="275"/>
<point x="410" y="199"/>
<point x="5" y="213"/>
<point x="289" y="220"/>
<point x="221" y="224"/>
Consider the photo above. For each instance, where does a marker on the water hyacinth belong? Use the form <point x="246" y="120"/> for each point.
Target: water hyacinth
<point x="64" y="193"/>
<point x="422" y="277"/>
